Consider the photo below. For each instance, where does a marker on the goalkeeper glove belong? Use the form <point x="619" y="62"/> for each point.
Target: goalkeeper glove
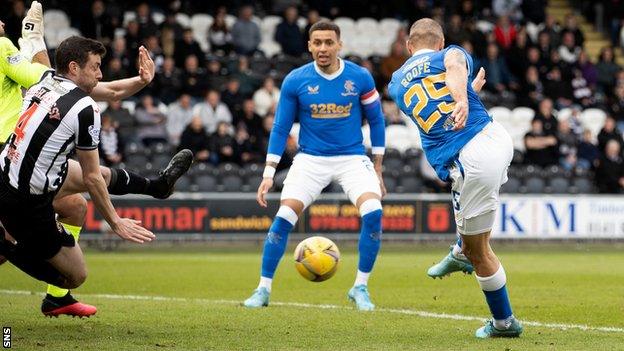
<point x="32" y="41"/>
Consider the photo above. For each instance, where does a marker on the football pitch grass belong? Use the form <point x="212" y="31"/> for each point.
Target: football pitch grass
<point x="571" y="297"/>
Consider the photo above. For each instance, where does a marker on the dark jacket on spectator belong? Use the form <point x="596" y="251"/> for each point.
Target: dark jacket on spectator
<point x="608" y="175"/>
<point x="289" y="36"/>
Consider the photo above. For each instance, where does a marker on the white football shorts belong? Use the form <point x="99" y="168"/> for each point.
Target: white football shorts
<point x="477" y="177"/>
<point x="309" y="175"/>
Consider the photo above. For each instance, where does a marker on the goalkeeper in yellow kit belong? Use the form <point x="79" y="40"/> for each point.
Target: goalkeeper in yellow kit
<point x="24" y="68"/>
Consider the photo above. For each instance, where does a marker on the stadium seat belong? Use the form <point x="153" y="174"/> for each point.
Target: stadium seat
<point x="206" y="182"/>
<point x="500" y="114"/>
<point x="183" y="19"/>
<point x="158" y="17"/>
<point x="485" y="26"/>
<point x="251" y="169"/>
<point x="523" y="115"/>
<point x="389" y="27"/>
<point x="129" y="105"/>
<point x="535" y="185"/>
<point x="260" y="65"/>
<point x="333" y="187"/>
<point x="302" y="22"/>
<point x="232" y="183"/>
<point x="137" y="161"/>
<point x="269" y="23"/>
<point x="160" y="161"/>
<point x="229" y="20"/>
<point x="200" y="168"/>
<point x="346" y="24"/>
<point x="367" y="25"/>
<point x="161" y="148"/>
<point x="270" y="47"/>
<point x="200" y="22"/>
<point x="564" y="114"/>
<point x="254" y="182"/>
<point x="583" y="185"/>
<point x="411" y="184"/>
<point x="184" y="184"/>
<point x="512" y="186"/>
<point x="559" y="185"/>
<point x="518" y="157"/>
<point x="225" y="169"/>
<point x="129" y="16"/>
<point x="593" y="119"/>
<point x="392" y="163"/>
<point x="54" y="20"/>
<point x="390" y="183"/>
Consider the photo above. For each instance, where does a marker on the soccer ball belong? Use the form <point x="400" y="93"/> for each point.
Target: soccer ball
<point x="317" y="258"/>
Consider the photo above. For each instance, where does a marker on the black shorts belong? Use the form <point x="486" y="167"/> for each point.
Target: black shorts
<point x="30" y="220"/>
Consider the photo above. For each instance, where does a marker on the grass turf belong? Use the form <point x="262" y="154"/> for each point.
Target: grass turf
<point x="548" y="285"/>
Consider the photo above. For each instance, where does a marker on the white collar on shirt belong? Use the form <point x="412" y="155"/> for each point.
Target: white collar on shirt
<point x="422" y="51"/>
<point x="333" y="75"/>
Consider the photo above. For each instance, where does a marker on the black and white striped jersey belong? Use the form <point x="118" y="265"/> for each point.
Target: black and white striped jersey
<point x="57" y="117"/>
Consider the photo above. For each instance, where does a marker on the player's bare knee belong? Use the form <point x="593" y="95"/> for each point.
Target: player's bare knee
<point x="77" y="278"/>
<point x="295" y="205"/>
<point x="106" y="173"/>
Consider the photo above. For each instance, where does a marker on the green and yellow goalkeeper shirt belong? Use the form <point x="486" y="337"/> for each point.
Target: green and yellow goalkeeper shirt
<point x="15" y="72"/>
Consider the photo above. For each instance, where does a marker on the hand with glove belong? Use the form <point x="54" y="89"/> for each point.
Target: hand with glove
<point x="32" y="41"/>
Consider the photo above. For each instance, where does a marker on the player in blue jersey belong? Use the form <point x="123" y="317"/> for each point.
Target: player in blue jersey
<point x="465" y="146"/>
<point x="328" y="96"/>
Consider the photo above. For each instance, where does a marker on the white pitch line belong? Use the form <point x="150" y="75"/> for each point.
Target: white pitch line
<point x="423" y="314"/>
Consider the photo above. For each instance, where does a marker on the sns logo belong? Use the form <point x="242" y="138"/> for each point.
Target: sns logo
<point x="349" y="89"/>
<point x="29" y="26"/>
<point x="6" y="337"/>
<point x="313" y="90"/>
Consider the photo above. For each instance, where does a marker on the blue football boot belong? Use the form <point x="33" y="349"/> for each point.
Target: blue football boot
<point x="259" y="298"/>
<point x="490" y="331"/>
<point x="449" y="265"/>
<point x="359" y="295"/>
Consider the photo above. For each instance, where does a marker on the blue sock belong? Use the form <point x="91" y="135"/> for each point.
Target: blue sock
<point x="499" y="304"/>
<point x="275" y="245"/>
<point x="459" y="241"/>
<point x="370" y="240"/>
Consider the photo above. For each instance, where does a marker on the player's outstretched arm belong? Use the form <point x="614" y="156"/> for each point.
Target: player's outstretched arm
<point x="457" y="83"/>
<point x="123" y="88"/>
<point x="126" y="228"/>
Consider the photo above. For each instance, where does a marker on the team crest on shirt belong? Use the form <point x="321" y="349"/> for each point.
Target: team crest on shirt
<point x="95" y="134"/>
<point x="349" y="89"/>
<point x="15" y="59"/>
<point x="312" y="90"/>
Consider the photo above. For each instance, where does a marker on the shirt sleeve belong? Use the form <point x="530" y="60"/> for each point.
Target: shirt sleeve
<point x="371" y="104"/>
<point x="17" y="68"/>
<point x="88" y="128"/>
<point x="284" y="119"/>
<point x="469" y="63"/>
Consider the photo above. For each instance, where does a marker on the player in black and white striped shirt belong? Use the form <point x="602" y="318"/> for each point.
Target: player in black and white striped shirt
<point x="58" y="117"/>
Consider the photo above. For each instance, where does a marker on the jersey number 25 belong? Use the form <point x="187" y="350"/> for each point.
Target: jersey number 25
<point x="424" y="91"/>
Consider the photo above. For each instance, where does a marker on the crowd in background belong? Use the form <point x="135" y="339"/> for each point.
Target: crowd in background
<point x="221" y="107"/>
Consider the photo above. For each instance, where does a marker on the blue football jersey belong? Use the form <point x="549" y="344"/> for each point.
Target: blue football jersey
<point x="329" y="109"/>
<point x="419" y="89"/>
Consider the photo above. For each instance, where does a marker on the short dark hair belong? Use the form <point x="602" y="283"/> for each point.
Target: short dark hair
<point x="77" y="49"/>
<point x="325" y="25"/>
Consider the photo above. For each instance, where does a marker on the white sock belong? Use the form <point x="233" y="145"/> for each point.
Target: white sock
<point x="361" y="278"/>
<point x="502" y="324"/>
<point x="265" y="283"/>
<point x="458" y="253"/>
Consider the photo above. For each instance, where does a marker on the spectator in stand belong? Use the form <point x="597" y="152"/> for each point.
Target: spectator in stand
<point x="249" y="82"/>
<point x="551" y="29"/>
<point x="114" y="70"/>
<point x="569" y="51"/>
<point x="223" y="144"/>
<point x="534" y="11"/>
<point x="249" y="119"/>
<point x="616" y="107"/>
<point x="467" y="11"/>
<point x="168" y="83"/>
<point x="118" y="51"/>
<point x="151" y="122"/>
<point x="571" y="26"/>
<point x="217" y="75"/>
<point x="110" y="143"/>
<point x="545" y="45"/>
<point x="574" y="121"/>
<point x="133" y="41"/>
<point x="477" y="38"/>
<point x="517" y="53"/>
<point x="245" y="32"/>
<point x="219" y="35"/>
<point x="545" y="114"/>
<point x="567" y="146"/>
<point x="541" y="148"/>
<point x="171" y="25"/>
<point x="394" y="61"/>
<point x="245" y="148"/>
<point x="504" y="32"/>
<point x="123" y="120"/>
<point x="391" y="113"/>
<point x="147" y="26"/>
<point x="588" y="69"/>
<point x="194" y="78"/>
<point x="232" y="96"/>
<point x="607" y="70"/>
<point x="98" y="24"/>
<point x="265" y="99"/>
<point x="532" y="90"/>
<point x="155" y="51"/>
<point x="212" y="111"/>
<point x="187" y="47"/>
<point x="581" y="92"/>
<point x="195" y="138"/>
<point x="558" y="89"/>
<point x="610" y="172"/>
<point x="534" y="58"/>
<point x="564" y="68"/>
<point x="499" y="79"/>
<point x="504" y="8"/>
<point x="167" y="42"/>
<point x="588" y="153"/>
<point x="288" y="34"/>
<point x="455" y="33"/>
<point x="179" y="115"/>
<point x="313" y="17"/>
<point x="609" y="132"/>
